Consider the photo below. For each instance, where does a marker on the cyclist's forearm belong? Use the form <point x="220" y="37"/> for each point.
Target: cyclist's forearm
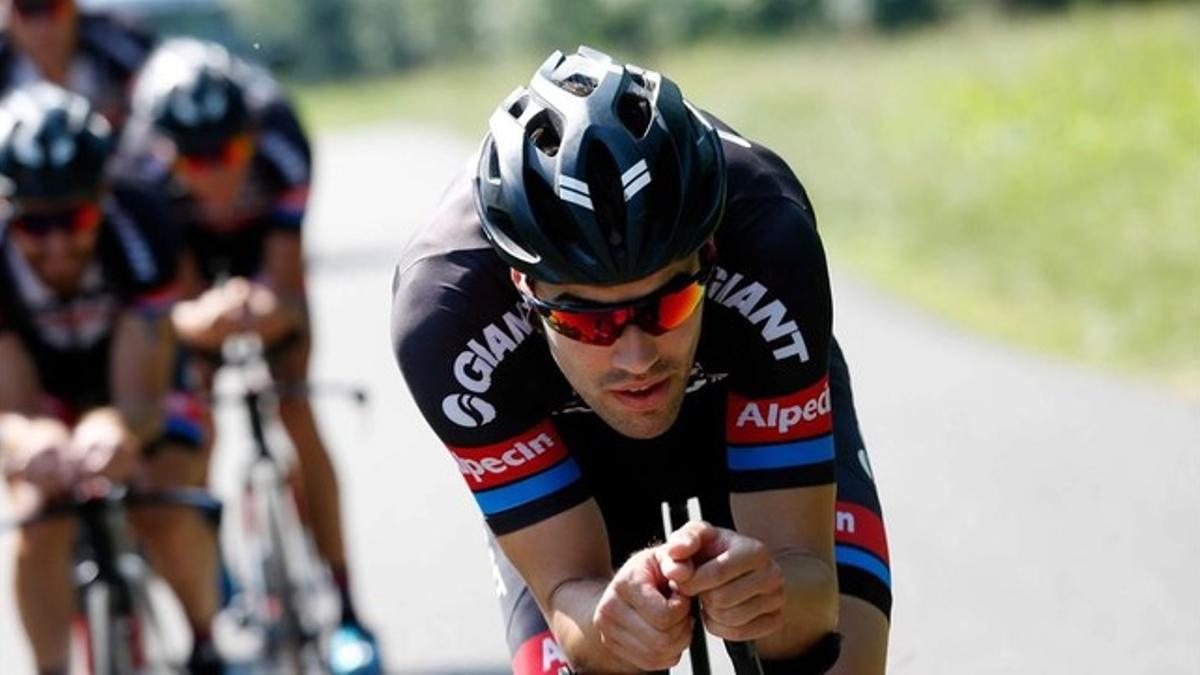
<point x="13" y="426"/>
<point x="143" y="350"/>
<point x="810" y="607"/>
<point x="572" y="606"/>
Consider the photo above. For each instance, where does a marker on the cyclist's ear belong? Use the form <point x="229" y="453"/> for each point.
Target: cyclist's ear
<point x="525" y="290"/>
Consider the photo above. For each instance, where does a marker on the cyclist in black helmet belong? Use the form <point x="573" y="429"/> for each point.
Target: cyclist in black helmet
<point x="221" y="139"/>
<point x="90" y="53"/>
<point x="87" y="281"/>
<point x="624" y="303"/>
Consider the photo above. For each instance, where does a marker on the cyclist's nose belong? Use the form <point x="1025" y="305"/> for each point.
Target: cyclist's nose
<point x="635" y="351"/>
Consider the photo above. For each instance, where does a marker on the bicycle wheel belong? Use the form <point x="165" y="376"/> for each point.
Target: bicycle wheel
<point x="112" y="632"/>
<point x="292" y="644"/>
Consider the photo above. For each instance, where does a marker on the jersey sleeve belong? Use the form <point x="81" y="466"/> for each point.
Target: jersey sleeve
<point x="148" y="243"/>
<point x="285" y="148"/>
<point x="484" y="382"/>
<point x="776" y="290"/>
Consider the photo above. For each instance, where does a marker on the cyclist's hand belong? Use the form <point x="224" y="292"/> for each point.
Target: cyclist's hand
<point x="206" y="321"/>
<point x="266" y="314"/>
<point x="739" y="584"/>
<point x="103" y="446"/>
<point x="40" y="455"/>
<point x="237" y="306"/>
<point x="640" y="619"/>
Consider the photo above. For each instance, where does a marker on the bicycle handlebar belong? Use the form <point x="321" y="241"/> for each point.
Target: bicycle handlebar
<point x="744" y="655"/>
<point x="116" y="496"/>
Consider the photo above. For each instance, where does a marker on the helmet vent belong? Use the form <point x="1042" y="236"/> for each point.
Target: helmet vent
<point x="518" y="106"/>
<point x="493" y="165"/>
<point x="579" y="84"/>
<point x="634" y="113"/>
<point x="543" y="132"/>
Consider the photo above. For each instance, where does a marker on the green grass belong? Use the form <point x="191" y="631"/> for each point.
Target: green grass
<point x="1036" y="180"/>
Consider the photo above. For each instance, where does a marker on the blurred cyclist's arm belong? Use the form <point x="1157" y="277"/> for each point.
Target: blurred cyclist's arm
<point x="31" y="442"/>
<point x="142" y="356"/>
<point x="285" y="146"/>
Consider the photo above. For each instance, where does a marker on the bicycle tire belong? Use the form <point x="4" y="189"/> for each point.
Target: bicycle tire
<point x="111" y="632"/>
<point x="302" y="643"/>
<point x="291" y="646"/>
<point x="97" y="613"/>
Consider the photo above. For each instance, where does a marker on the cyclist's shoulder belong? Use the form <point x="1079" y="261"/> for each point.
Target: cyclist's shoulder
<point x="284" y="150"/>
<point x="115" y="40"/>
<point x="139" y="242"/>
<point x="449" y="253"/>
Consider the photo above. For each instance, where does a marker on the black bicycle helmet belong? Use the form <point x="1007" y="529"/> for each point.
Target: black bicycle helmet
<point x="53" y="145"/>
<point x="190" y="93"/>
<point x="598" y="173"/>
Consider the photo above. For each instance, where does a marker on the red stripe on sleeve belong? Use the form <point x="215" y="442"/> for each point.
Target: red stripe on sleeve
<point x="523" y="455"/>
<point x="804" y="414"/>
<point x="861" y="527"/>
<point x="540" y="655"/>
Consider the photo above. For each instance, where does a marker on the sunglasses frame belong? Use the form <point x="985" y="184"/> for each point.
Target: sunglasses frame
<point x="637" y="307"/>
<point x="235" y="149"/>
<point x="40" y="8"/>
<point x="70" y="221"/>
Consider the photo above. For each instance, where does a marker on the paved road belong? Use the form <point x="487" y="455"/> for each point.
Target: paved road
<point x="1042" y="517"/>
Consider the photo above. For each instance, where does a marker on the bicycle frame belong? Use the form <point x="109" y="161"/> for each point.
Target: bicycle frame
<point x="117" y="630"/>
<point x="282" y="571"/>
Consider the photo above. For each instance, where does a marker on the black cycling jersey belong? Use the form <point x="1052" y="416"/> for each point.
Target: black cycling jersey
<point x="68" y="338"/>
<point x="758" y="414"/>
<point x="273" y="198"/>
<point x="109" y="54"/>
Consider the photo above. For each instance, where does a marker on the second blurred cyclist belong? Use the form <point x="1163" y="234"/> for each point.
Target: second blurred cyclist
<point x="221" y="138"/>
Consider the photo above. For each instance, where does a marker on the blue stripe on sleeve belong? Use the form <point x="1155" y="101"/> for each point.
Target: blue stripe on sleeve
<point x="528" y="489"/>
<point x="780" y="455"/>
<point x="184" y="429"/>
<point x="848" y="555"/>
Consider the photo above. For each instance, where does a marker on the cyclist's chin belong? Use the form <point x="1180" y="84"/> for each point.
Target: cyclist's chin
<point x="639" y="422"/>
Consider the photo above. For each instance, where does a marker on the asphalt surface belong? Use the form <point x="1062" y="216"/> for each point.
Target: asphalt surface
<point x="1042" y="517"/>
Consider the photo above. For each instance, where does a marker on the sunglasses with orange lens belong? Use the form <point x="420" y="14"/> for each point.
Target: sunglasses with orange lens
<point x="231" y="153"/>
<point x="81" y="219"/>
<point x="602" y="324"/>
<point x="32" y="8"/>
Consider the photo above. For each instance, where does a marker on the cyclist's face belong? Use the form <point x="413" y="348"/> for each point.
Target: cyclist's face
<point x="58" y="254"/>
<point x="216" y="182"/>
<point x="636" y="385"/>
<point x="44" y="29"/>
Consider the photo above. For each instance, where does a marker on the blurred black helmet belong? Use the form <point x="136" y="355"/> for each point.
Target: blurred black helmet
<point x="53" y="145"/>
<point x="189" y="92"/>
<point x="598" y="173"/>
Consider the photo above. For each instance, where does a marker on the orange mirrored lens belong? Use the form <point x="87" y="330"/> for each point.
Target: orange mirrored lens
<point x="655" y="316"/>
<point x="676" y="308"/>
<point x="78" y="220"/>
<point x="86" y="219"/>
<point x="235" y="151"/>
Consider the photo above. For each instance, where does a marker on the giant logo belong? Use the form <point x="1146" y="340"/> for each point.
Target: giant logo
<point x="474" y="365"/>
<point x="467" y="410"/>
<point x="750" y="299"/>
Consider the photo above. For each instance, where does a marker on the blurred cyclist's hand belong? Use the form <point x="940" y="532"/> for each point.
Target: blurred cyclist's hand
<point x="39" y="454"/>
<point x="237" y="306"/>
<point x="103" y="446"/>
<point x="739" y="584"/>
